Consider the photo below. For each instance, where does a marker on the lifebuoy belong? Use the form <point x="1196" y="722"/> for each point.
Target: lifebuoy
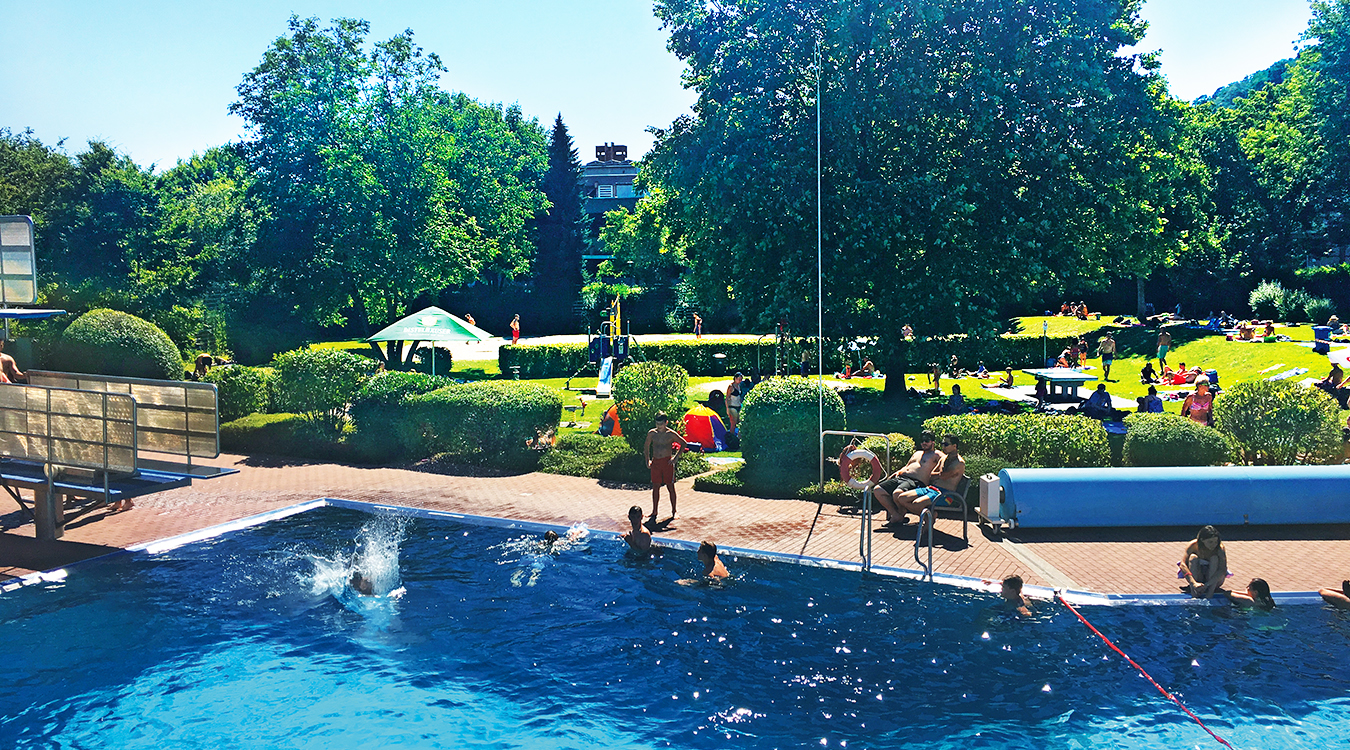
<point x="851" y="456"/>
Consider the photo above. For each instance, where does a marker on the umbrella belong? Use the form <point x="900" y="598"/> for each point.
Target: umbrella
<point x="431" y="324"/>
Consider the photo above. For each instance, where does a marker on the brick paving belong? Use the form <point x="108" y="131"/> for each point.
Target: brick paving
<point x="1127" y="561"/>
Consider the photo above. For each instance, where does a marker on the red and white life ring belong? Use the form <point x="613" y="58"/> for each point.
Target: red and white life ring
<point x="851" y="456"/>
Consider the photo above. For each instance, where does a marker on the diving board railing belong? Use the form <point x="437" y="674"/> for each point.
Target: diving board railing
<point x="69" y="428"/>
<point x="178" y="418"/>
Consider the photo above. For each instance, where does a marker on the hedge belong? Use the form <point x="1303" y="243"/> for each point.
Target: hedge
<point x="108" y="342"/>
<point x="695" y="357"/>
<point x="585" y="454"/>
<point x="283" y="435"/>
<point x="642" y="389"/>
<point x="780" y="440"/>
<point x="320" y="383"/>
<point x="483" y="420"/>
<point x="240" y="390"/>
<point x="733" y="482"/>
<point x="1029" y="440"/>
<point x="997" y="353"/>
<point x="1173" y="440"/>
<point x="902" y="447"/>
<point x="380" y="407"/>
<point x="1279" y="422"/>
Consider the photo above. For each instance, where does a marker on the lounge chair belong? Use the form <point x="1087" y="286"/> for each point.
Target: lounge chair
<point x="957" y="498"/>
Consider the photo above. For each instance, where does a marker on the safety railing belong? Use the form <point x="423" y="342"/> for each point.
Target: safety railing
<point x="60" y="427"/>
<point x="865" y="531"/>
<point x="172" y="417"/>
<point x="925" y="524"/>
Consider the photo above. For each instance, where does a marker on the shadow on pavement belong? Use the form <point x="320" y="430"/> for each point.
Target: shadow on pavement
<point x="27" y="553"/>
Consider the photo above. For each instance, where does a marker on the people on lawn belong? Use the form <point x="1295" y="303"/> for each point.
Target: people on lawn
<point x="1151" y="404"/>
<point x="1164" y="343"/>
<point x="1007" y="381"/>
<point x="1336" y="384"/>
<point x="1199" y="406"/>
<point x="1106" y="349"/>
<point x="1098" y="405"/>
<point x="1148" y="375"/>
<point x="956" y="404"/>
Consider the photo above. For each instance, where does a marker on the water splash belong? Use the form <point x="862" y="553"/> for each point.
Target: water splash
<point x="375" y="557"/>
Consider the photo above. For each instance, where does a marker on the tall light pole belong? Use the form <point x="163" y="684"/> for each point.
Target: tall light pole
<point x="820" y="287"/>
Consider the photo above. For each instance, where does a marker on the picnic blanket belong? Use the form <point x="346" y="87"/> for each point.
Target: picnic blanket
<point x="1290" y="373"/>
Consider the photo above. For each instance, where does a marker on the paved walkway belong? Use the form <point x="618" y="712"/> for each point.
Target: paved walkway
<point x="1126" y="561"/>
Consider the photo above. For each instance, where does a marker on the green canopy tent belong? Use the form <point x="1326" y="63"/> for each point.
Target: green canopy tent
<point x="432" y="324"/>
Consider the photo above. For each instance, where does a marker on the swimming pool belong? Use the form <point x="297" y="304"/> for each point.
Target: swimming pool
<point x="491" y="641"/>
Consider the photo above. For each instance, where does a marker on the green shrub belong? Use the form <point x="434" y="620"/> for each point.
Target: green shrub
<point x="641" y="389"/>
<point x="379" y="408"/>
<point x="902" y="446"/>
<point x="733" y="482"/>
<point x="1279" y="422"/>
<point x="193" y="329"/>
<point x="780" y="438"/>
<point x="484" y="420"/>
<point x="584" y="454"/>
<point x="445" y="361"/>
<point x="1294" y="306"/>
<point x="320" y="383"/>
<point x="283" y="435"/>
<point x="240" y="390"/>
<point x="1267" y="300"/>
<point x="1029" y="440"/>
<point x="978" y="465"/>
<point x="1172" y="440"/>
<point x="108" y="342"/>
<point x="1319" y="309"/>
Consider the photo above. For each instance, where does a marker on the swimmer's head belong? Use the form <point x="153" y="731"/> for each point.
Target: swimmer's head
<point x="635" y="514"/>
<point x="361" y="585"/>
<point x="707" y="551"/>
<point x="1260" y="593"/>
<point x="550" y="536"/>
<point x="1012" y="587"/>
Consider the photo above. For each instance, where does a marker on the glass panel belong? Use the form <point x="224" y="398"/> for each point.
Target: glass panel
<point x="19" y="292"/>
<point x="15" y="233"/>
<point x="16" y="262"/>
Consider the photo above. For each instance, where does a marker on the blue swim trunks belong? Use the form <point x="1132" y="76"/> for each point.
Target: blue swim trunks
<point x="935" y="494"/>
<point x="1162" y="352"/>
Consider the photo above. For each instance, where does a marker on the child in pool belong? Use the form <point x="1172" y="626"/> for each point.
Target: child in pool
<point x="1256" y="595"/>
<point x="1012" y="594"/>
<point x="638" y="538"/>
<point x="1339" y="599"/>
<point x="361" y="585"/>
<point x="713" y="569"/>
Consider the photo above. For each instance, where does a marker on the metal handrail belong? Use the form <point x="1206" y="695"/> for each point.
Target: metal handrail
<point x="865" y="530"/>
<point x="925" y="522"/>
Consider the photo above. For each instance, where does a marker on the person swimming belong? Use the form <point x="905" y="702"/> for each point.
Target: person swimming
<point x="1256" y="595"/>
<point x="1339" y="599"/>
<point x="361" y="585"/>
<point x="1013" y="596"/>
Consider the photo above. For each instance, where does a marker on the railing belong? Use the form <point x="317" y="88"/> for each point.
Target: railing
<point x="174" y="417"/>
<point x="865" y="532"/>
<point x="925" y="524"/>
<point x="69" y="428"/>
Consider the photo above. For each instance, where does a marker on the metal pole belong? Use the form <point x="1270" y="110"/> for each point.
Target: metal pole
<point x="820" y="285"/>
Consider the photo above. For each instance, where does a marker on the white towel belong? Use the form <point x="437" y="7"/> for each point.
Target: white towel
<point x="1272" y="367"/>
<point x="1289" y="373"/>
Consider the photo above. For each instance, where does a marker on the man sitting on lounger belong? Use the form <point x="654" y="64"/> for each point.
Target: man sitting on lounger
<point x="915" y="474"/>
<point x="942" y="483"/>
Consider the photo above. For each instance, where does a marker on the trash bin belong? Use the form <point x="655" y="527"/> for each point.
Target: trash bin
<point x="1321" y="339"/>
<point x="719" y="364"/>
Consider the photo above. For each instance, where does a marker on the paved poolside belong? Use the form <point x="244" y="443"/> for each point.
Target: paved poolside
<point x="1112" y="561"/>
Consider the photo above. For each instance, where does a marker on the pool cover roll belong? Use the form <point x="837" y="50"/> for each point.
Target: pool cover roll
<point x="1177" y="496"/>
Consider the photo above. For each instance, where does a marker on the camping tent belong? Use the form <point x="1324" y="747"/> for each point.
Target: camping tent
<point x="431" y="324"/>
<point x="703" y="425"/>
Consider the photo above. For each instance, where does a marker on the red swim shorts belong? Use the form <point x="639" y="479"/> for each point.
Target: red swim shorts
<point x="663" y="471"/>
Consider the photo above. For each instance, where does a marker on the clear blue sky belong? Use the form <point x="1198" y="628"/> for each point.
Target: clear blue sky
<point x="154" y="78"/>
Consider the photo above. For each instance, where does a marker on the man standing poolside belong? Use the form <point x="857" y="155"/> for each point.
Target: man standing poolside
<point x="1164" y="343"/>
<point x="915" y="474"/>
<point x="1106" y="349"/>
<point x="661" y="450"/>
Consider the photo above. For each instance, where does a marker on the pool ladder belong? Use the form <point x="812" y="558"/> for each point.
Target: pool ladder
<point x="925" y="523"/>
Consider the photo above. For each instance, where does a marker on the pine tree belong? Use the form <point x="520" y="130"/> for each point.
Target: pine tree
<point x="562" y="227"/>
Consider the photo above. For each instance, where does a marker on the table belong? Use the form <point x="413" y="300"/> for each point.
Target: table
<point x="1062" y="381"/>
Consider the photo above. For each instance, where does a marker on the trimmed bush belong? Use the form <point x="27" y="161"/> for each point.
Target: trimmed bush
<point x="320" y="383"/>
<point x="379" y="408"/>
<point x="732" y="482"/>
<point x="1267" y="300"/>
<point x="1279" y="422"/>
<point x="240" y="390"/>
<point x="1172" y="440"/>
<point x="584" y="454"/>
<point x="779" y="434"/>
<point x="108" y="342"/>
<point x="1029" y="440"/>
<point x="483" y="420"/>
<point x="283" y="435"/>
<point x="1319" y="309"/>
<point x="902" y="447"/>
<point x="642" y="389"/>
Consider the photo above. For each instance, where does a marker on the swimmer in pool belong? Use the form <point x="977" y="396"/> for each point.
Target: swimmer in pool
<point x="1257" y="595"/>
<point x="1339" y="599"/>
<point x="1012" y="594"/>
<point x="361" y="585"/>
<point x="713" y="569"/>
<point x="638" y="538"/>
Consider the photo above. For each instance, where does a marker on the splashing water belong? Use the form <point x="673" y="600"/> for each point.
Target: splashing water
<point x="375" y="558"/>
<point x="534" y="554"/>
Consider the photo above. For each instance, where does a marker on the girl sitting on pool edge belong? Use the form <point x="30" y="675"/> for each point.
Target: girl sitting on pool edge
<point x="1204" y="565"/>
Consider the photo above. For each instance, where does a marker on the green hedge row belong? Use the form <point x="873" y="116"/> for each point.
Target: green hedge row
<point x="1029" y="440"/>
<point x="241" y="391"/>
<point x="696" y="357"/>
<point x="780" y="438"/>
<point x="380" y="407"/>
<point x="1173" y="440"/>
<point x="482" y="420"/>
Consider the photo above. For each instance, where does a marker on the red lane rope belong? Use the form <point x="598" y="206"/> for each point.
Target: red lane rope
<point x="1146" y="675"/>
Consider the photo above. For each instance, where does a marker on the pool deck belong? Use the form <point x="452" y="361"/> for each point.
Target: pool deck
<point x="1107" y="561"/>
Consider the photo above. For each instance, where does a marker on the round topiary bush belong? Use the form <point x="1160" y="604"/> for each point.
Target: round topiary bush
<point x="642" y="389"/>
<point x="1279" y="422"/>
<point x="240" y="390"/>
<point x="108" y="342"/>
<point x="379" y="409"/>
<point x="320" y="383"/>
<point x="1172" y="440"/>
<point x="902" y="446"/>
<point x="481" y="420"/>
<point x="780" y="439"/>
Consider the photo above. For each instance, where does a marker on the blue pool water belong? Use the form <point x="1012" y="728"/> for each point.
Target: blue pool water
<point x="485" y="640"/>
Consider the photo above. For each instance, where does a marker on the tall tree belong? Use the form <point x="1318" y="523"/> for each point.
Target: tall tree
<point x="562" y="229"/>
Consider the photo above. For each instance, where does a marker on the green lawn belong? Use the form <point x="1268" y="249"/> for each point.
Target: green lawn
<point x="1061" y="326"/>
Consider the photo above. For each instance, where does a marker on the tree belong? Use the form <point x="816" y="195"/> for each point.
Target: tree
<point x="975" y="154"/>
<point x="562" y="228"/>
